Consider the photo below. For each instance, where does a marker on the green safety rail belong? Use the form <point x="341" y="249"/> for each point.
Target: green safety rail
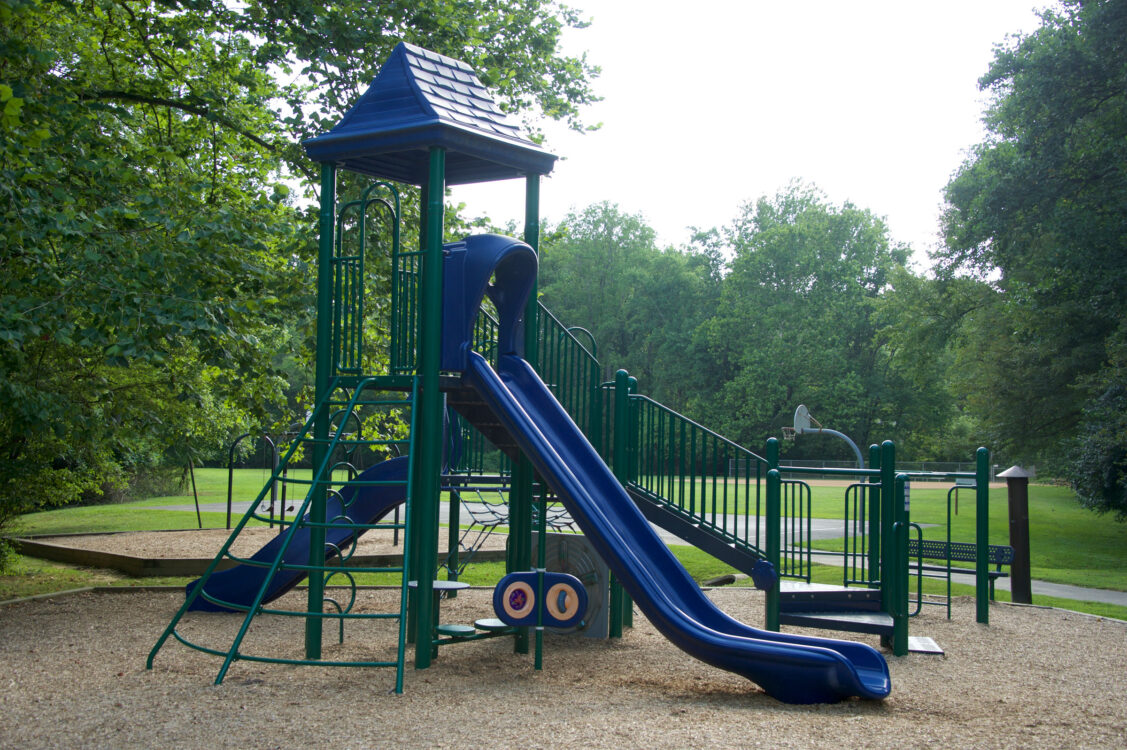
<point x="862" y="562"/>
<point x="697" y="473"/>
<point x="979" y="482"/>
<point x="372" y="219"/>
<point x="348" y="411"/>
<point x="876" y="533"/>
<point x="795" y="551"/>
<point x="572" y="372"/>
<point x="565" y="364"/>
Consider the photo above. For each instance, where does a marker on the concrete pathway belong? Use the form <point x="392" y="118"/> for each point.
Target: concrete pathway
<point x="1043" y="588"/>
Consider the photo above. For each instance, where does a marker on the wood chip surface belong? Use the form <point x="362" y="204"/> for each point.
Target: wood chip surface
<point x="74" y="677"/>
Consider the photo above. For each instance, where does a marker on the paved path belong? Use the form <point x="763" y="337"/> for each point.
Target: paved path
<point x="1059" y="590"/>
<point x="820" y="528"/>
<point x="1044" y="588"/>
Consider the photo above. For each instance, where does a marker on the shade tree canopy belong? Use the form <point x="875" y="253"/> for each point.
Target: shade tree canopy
<point x="1038" y="214"/>
<point x="155" y="267"/>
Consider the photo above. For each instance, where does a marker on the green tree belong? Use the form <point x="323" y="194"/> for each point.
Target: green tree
<point x="796" y="323"/>
<point x="146" y="250"/>
<point x="156" y="280"/>
<point x="1037" y="212"/>
<point x="926" y="325"/>
<point x="602" y="269"/>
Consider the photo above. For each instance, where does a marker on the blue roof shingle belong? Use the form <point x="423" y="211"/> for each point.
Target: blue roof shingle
<point x="421" y="99"/>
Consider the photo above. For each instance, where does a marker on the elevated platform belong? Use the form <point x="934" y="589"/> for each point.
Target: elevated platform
<point x="849" y="609"/>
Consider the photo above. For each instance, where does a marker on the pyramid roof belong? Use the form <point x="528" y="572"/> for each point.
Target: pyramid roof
<point x="422" y="99"/>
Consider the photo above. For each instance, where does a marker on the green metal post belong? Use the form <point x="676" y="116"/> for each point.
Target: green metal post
<point x="428" y="462"/>
<point x="453" y="536"/>
<point x="621" y="461"/>
<point x="774" y="531"/>
<point x="773" y="542"/>
<point x="597" y="431"/>
<point x="520" y="493"/>
<point x="772" y="453"/>
<point x="322" y="379"/>
<point x="874" y="516"/>
<point x="887" y="573"/>
<point x="532" y="238"/>
<point x="541" y="567"/>
<point x="632" y="451"/>
<point x="520" y="530"/>
<point x="414" y="559"/>
<point x="982" y="535"/>
<point x="900" y="577"/>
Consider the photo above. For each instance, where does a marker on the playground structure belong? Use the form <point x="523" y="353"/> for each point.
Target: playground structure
<point x="468" y="335"/>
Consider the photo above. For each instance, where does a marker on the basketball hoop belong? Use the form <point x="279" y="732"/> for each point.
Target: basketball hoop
<point x="804" y="424"/>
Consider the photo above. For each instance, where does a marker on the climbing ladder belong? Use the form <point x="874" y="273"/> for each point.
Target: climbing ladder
<point x="316" y="548"/>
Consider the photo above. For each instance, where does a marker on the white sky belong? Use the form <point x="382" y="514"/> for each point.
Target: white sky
<point x="712" y="103"/>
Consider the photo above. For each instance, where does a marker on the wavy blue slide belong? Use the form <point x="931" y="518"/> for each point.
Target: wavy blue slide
<point x="792" y="668"/>
<point x="363" y="503"/>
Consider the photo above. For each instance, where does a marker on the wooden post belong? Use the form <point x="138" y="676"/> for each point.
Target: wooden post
<point x="1017" y="491"/>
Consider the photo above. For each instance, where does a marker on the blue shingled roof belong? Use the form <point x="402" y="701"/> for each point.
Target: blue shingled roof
<point x="421" y="99"/>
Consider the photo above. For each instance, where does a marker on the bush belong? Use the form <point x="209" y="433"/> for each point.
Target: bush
<point x="1099" y="472"/>
<point x="142" y="483"/>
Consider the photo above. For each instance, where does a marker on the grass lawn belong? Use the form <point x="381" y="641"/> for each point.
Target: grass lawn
<point x="1069" y="544"/>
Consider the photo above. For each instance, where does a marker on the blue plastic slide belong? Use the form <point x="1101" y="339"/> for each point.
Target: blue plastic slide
<point x="362" y="503"/>
<point x="792" y="668"/>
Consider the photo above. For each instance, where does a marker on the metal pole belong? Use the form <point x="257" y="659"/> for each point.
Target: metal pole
<point x="632" y="468"/>
<point x="836" y="434"/>
<point x="621" y="461"/>
<point x="273" y="479"/>
<point x="541" y="568"/>
<point x="196" y="495"/>
<point x="773" y="542"/>
<point x="322" y="378"/>
<point x="900" y="579"/>
<point x="887" y="519"/>
<point x="874" y="516"/>
<point x="982" y="536"/>
<point x="424" y="514"/>
<point x="231" y="473"/>
<point x="520" y="492"/>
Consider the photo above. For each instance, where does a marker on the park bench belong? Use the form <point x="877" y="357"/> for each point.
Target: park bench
<point x="934" y="549"/>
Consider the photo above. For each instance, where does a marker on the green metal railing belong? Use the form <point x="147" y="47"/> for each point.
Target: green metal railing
<point x="563" y="362"/>
<point x="406" y="308"/>
<point x="686" y="468"/>
<point x="571" y="371"/>
<point x="795" y="551"/>
<point x="860" y="566"/>
<point x="369" y="221"/>
<point x="979" y="481"/>
<point x="876" y="551"/>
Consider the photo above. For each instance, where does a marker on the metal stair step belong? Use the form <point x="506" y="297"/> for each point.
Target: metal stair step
<point x="874" y="623"/>
<point x="808" y="598"/>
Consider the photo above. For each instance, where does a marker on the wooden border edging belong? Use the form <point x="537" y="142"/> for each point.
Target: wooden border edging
<point x="149" y="567"/>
